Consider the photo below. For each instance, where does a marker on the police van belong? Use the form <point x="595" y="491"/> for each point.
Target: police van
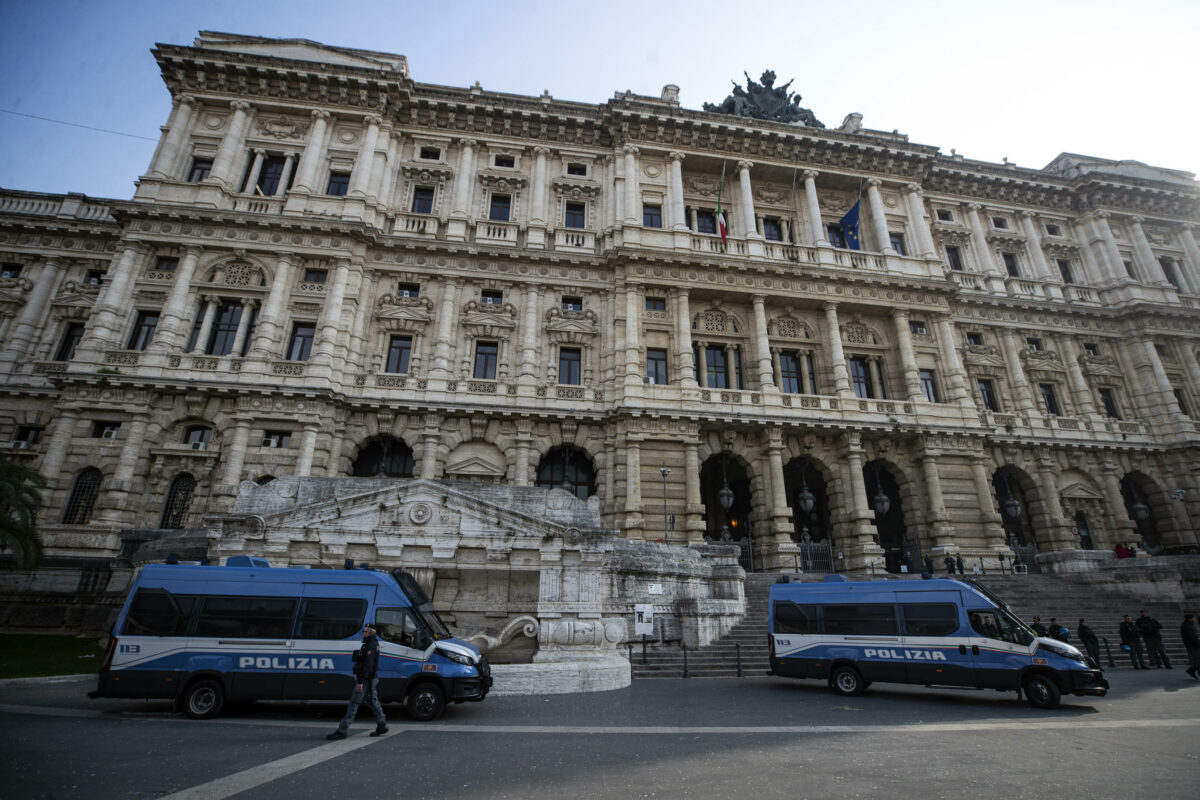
<point x="208" y="635"/>
<point x="942" y="633"/>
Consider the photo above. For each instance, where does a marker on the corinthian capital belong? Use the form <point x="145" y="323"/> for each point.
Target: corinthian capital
<point x="874" y="182"/>
<point x="239" y="105"/>
<point x="630" y="149"/>
<point x="541" y="150"/>
<point x="675" y="155"/>
<point x="745" y="165"/>
<point x="810" y="173"/>
<point x="320" y="114"/>
<point x="467" y="142"/>
<point x="373" y="119"/>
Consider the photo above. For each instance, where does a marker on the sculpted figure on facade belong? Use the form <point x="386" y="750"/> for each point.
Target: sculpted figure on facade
<point x="765" y="101"/>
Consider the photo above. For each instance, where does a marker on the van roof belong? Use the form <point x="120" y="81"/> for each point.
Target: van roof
<point x="879" y="587"/>
<point x="263" y="575"/>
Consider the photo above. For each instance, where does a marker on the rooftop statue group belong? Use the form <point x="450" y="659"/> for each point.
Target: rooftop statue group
<point x="765" y="101"/>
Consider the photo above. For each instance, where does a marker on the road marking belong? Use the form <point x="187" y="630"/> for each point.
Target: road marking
<point x="272" y="770"/>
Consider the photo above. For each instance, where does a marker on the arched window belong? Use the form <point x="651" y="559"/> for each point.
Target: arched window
<point x="567" y="468"/>
<point x="179" y="498"/>
<point x="197" y="436"/>
<point x="83" y="497"/>
<point x="385" y="456"/>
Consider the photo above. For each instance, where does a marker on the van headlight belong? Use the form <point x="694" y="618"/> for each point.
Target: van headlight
<point x="1065" y="652"/>
<point x="458" y="658"/>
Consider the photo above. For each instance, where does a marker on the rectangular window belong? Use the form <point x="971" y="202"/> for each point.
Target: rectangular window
<point x="794" y="618"/>
<point x="104" y="429"/>
<point x="224" y="330"/>
<point x="280" y="439"/>
<point x="399" y="352"/>
<point x="577" y="169"/>
<point x="656" y="365"/>
<point x="505" y="162"/>
<point x="157" y="612"/>
<point x="874" y="619"/>
<point x="772" y="229"/>
<point x="1034" y="345"/>
<point x="812" y="373"/>
<point x="716" y="368"/>
<point x="491" y="297"/>
<point x="706" y="221"/>
<point x="143" y="330"/>
<point x="1129" y="269"/>
<point x="500" y="208"/>
<point x="1182" y="401"/>
<point x="789" y="373"/>
<point x="300" y="346"/>
<point x="246" y="617"/>
<point x="431" y="153"/>
<point x="573" y="217"/>
<point x="316" y="275"/>
<point x="917" y="326"/>
<point x="930" y="619"/>
<point x="29" y="434"/>
<point x="897" y="242"/>
<point x="656" y="304"/>
<point x="834" y="234"/>
<point x="166" y="264"/>
<point x="270" y="175"/>
<point x="1064" y="270"/>
<point x="944" y="215"/>
<point x="1053" y="230"/>
<point x="410" y="290"/>
<point x="954" y="258"/>
<point x="975" y="339"/>
<point x="569" y="362"/>
<point x="339" y="184"/>
<point x="330" y="618"/>
<point x="572" y="304"/>
<point x="94" y="277"/>
<point x="486" y="354"/>
<point x="735" y="381"/>
<point x="929" y="386"/>
<point x="999" y="222"/>
<point x="1049" y="399"/>
<point x="201" y="169"/>
<point x="1108" y="399"/>
<point x="860" y="377"/>
<point x="987" y="395"/>
<point x="422" y="202"/>
<point x="651" y="216"/>
<point x="70" y="341"/>
<point x="1168" y="268"/>
<point x="1010" y="264"/>
<point x="1091" y="348"/>
<point x="10" y="271"/>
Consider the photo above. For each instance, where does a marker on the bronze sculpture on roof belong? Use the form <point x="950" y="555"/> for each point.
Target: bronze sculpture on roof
<point x="765" y="101"/>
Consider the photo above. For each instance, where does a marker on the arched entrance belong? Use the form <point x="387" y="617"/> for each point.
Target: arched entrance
<point x="811" y="524"/>
<point x="1013" y="488"/>
<point x="1085" y="532"/>
<point x="384" y="456"/>
<point x="567" y="468"/>
<point x="1137" y="491"/>
<point x="719" y="473"/>
<point x="883" y="495"/>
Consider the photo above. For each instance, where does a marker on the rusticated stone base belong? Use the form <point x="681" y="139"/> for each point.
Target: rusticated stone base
<point x="599" y="674"/>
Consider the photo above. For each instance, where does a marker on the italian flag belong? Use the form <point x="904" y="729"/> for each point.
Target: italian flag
<point x="721" y="214"/>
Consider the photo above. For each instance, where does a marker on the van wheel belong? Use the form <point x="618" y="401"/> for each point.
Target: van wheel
<point x="1041" y="691"/>
<point x="203" y="699"/>
<point x="847" y="681"/>
<point x="425" y="702"/>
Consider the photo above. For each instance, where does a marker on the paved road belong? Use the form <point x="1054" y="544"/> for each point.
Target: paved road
<point x="755" y="737"/>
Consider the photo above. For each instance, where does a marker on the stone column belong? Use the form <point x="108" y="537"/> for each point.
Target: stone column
<point x="683" y="335"/>
<point x="391" y="157"/>
<point x="702" y="364"/>
<point x="308" y="446"/>
<point x="806" y="382"/>
<point x="878" y="218"/>
<point x="521" y="468"/>
<point x="675" y="190"/>
<point x="56" y="447"/>
<point x="746" y="196"/>
<point x="379" y="162"/>
<point x="762" y="345"/>
<point x="1141" y="248"/>
<point x="777" y="369"/>
<point x="1079" y="386"/>
<point x="25" y="331"/>
<point x="1193" y="369"/>
<point x="239" y="337"/>
<point x="362" y="296"/>
<point x="360" y="177"/>
<point x="989" y="516"/>
<point x="1108" y="245"/>
<point x="267" y="332"/>
<point x="693" y="509"/>
<point x="979" y="243"/>
<point x="210" y="312"/>
<point x="943" y="532"/>
<point x="1121" y="527"/>
<point x="1094" y="270"/>
<point x="445" y="327"/>
<point x="313" y="155"/>
<point x="538" y="198"/>
<point x="859" y="545"/>
<point x="255" y="168"/>
<point x="1192" y="252"/>
<point x="731" y="376"/>
<point x="104" y="329"/>
<point x="163" y="165"/>
<point x="429" y="445"/>
<point x="113" y="503"/>
<point x="877" y="377"/>
<point x="1033" y="241"/>
<point x="609" y="198"/>
<point x="172" y="320"/>
<point x="633" y="329"/>
<point x="1058" y="533"/>
<point x="920" y="223"/>
<point x="462" y="181"/>
<point x="837" y="356"/>
<point x="235" y="457"/>
<point x="1162" y="387"/>
<point x="633" y="483"/>
<point x="780" y="510"/>
<point x="1016" y="372"/>
<point x="231" y="144"/>
<point x="912" y="376"/>
<point x="816" y="229"/>
<point x="330" y="322"/>
<point x="632" y="202"/>
<point x="529" y="335"/>
<point x="289" y="163"/>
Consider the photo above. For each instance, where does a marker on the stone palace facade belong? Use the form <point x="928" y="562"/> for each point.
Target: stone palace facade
<point x="332" y="270"/>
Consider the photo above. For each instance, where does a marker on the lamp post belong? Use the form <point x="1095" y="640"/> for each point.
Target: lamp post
<point x="805" y="501"/>
<point x="665" y="471"/>
<point x="1181" y="495"/>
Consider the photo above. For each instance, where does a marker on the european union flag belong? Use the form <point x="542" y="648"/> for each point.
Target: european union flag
<point x="849" y="226"/>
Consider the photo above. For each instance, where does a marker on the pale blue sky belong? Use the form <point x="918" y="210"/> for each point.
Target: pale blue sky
<point x="1017" y="79"/>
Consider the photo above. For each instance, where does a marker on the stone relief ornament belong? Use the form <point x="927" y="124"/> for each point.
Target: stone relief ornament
<point x="282" y="128"/>
<point x="765" y="101"/>
<point x="420" y="513"/>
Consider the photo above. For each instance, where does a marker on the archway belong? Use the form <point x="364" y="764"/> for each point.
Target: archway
<point x="384" y="456"/>
<point x="569" y="468"/>
<point x="801" y="475"/>
<point x="883" y="494"/>
<point x="1137" y="492"/>
<point x="720" y="472"/>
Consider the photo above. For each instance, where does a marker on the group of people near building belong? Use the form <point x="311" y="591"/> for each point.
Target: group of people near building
<point x="1125" y="550"/>
<point x="1147" y="631"/>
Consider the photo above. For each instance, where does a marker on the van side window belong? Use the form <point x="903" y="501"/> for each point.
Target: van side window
<point x="995" y="623"/>
<point x="157" y="612"/>
<point x="330" y="619"/>
<point x="873" y="619"/>
<point x="930" y="619"/>
<point x="396" y="625"/>
<point x="246" y="617"/>
<point x="792" y="618"/>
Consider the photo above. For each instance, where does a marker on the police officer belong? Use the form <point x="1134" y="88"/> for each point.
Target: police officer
<point x="366" y="686"/>
<point x="1038" y="627"/>
<point x="1151" y="631"/>
<point x="1191" y="640"/>
<point x="1088" y="637"/>
<point x="1131" y="638"/>
<point x="949" y="562"/>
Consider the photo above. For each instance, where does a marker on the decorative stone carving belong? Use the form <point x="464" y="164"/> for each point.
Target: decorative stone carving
<point x="765" y="101"/>
<point x="282" y="128"/>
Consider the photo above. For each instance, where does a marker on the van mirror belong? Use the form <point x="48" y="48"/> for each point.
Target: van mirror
<point x="420" y="640"/>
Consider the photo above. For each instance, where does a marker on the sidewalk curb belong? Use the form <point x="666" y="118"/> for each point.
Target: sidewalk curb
<point x="46" y="679"/>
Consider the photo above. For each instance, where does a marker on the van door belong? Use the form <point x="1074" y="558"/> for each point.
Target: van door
<point x="328" y="632"/>
<point x="937" y="646"/>
<point x="403" y="644"/>
<point x="1001" y="647"/>
<point x="247" y="638"/>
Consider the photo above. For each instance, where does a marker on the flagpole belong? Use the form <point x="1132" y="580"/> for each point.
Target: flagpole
<point x="720" y="220"/>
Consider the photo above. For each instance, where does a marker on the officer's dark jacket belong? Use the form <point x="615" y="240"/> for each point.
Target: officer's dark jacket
<point x="368" y="663"/>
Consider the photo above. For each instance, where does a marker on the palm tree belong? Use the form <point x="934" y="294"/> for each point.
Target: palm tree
<point x="20" y="502"/>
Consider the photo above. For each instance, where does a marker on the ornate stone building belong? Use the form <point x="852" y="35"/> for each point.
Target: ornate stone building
<point x="330" y="269"/>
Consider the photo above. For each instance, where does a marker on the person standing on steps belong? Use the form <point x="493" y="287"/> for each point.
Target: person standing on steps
<point x="1038" y="627"/>
<point x="366" y="687"/>
<point x="1151" y="631"/>
<point x="1132" y="640"/>
<point x="928" y="564"/>
<point x="949" y="562"/>
<point x="1191" y="641"/>
<point x="1090" y="642"/>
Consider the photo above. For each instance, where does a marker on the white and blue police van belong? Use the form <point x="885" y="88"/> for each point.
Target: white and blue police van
<point x="208" y="635"/>
<point x="936" y="633"/>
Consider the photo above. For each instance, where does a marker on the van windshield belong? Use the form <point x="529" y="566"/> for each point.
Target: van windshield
<point x="996" y="623"/>
<point x="421" y="603"/>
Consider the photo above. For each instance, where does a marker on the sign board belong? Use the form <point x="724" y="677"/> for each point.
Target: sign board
<point x="1074" y="530"/>
<point x="643" y="619"/>
<point x="655" y="588"/>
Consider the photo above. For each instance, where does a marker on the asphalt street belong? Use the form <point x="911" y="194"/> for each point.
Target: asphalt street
<point x="754" y="737"/>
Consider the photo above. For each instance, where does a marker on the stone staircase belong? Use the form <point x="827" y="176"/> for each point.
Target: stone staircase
<point x="1050" y="596"/>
